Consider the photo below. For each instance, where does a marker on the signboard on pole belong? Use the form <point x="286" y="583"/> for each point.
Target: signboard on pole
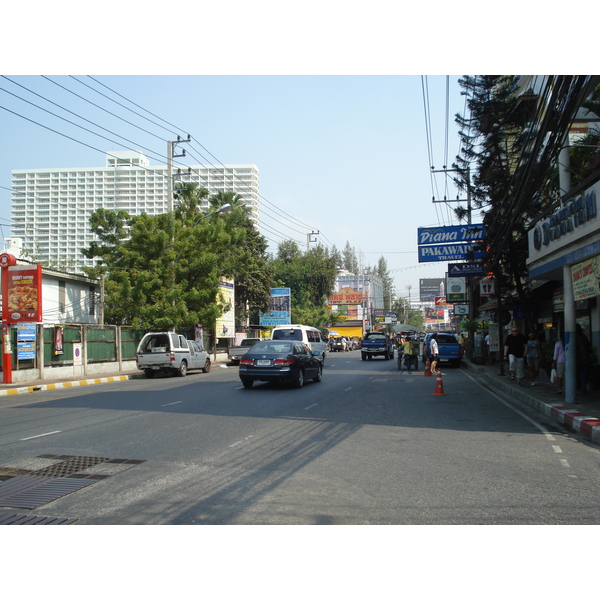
<point x="465" y="269"/>
<point x="459" y="242"/>
<point x="280" y="312"/>
<point x="22" y="294"/>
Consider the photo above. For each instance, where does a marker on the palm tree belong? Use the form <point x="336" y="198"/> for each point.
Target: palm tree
<point x="218" y="199"/>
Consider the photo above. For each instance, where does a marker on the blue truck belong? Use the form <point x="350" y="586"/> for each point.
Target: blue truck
<point x="377" y="344"/>
<point x="449" y="351"/>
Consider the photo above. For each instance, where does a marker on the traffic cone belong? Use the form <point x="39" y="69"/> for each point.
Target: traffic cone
<point x="427" y="368"/>
<point x="439" y="386"/>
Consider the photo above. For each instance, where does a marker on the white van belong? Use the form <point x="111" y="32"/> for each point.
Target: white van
<point x="311" y="336"/>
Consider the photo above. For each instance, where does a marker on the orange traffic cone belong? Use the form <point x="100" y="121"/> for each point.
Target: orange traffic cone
<point x="439" y="386"/>
<point x="427" y="368"/>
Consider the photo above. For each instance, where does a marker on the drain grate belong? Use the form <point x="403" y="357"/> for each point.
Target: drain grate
<point x="9" y="518"/>
<point x="27" y="489"/>
<point x="68" y="465"/>
<point x="30" y="492"/>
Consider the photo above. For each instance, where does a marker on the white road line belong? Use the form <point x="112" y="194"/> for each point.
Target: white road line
<point x="171" y="403"/>
<point x="41" y="435"/>
<point x="311" y="406"/>
<point x="557" y="449"/>
<point x="347" y="389"/>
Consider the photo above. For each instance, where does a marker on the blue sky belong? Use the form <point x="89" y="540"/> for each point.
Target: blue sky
<point x="343" y="155"/>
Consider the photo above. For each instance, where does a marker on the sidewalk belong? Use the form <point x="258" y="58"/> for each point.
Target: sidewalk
<point x="582" y="418"/>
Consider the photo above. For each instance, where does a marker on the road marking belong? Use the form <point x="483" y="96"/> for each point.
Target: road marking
<point x="171" y="403"/>
<point x="557" y="449"/>
<point x="564" y="463"/>
<point x="241" y="441"/>
<point x="347" y="389"/>
<point x="311" y="406"/>
<point x="41" y="435"/>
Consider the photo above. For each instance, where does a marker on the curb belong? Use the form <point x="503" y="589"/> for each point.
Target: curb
<point x="67" y="384"/>
<point x="567" y="415"/>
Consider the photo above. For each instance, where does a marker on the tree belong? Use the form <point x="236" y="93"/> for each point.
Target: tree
<point x="311" y="278"/>
<point x="164" y="270"/>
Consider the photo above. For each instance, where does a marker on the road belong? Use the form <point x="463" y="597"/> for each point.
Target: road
<point x="367" y="445"/>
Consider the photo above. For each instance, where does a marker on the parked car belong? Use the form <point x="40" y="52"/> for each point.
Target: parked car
<point x="171" y="353"/>
<point x="236" y="352"/>
<point x="449" y="349"/>
<point x="274" y="360"/>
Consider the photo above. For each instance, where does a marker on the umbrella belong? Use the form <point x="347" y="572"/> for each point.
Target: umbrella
<point x="331" y="332"/>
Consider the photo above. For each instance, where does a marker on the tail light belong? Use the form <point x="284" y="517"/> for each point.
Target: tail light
<point x="283" y="361"/>
<point x="246" y="361"/>
<point x="172" y="357"/>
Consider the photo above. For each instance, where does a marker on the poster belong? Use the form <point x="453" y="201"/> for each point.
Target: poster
<point x="22" y="294"/>
<point x="225" y="324"/>
<point x="280" y="309"/>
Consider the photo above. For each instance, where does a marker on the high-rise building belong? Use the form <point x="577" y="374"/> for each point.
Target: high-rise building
<point x="51" y="208"/>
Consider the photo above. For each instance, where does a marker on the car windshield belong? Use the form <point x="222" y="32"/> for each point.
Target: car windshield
<point x="271" y="347"/>
<point x="446" y="339"/>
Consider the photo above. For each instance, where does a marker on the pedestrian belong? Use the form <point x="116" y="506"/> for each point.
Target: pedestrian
<point x="582" y="358"/>
<point x="558" y="363"/>
<point x="533" y="357"/>
<point x="515" y="351"/>
<point x="433" y="350"/>
<point x="407" y="347"/>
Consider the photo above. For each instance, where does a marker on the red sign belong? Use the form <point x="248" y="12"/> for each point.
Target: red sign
<point x="22" y="294"/>
<point x="346" y="296"/>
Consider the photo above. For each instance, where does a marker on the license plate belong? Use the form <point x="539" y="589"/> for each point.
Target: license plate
<point x="263" y="363"/>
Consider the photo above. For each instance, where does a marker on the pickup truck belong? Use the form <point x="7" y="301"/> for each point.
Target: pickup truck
<point x="449" y="350"/>
<point x="377" y="344"/>
<point x="170" y="353"/>
<point x="236" y="352"/>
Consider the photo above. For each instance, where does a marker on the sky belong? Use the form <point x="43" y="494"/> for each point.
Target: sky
<point x="346" y="156"/>
<point x="337" y="112"/>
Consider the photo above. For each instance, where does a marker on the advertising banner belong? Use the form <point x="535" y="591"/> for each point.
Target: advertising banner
<point x="456" y="289"/>
<point x="346" y="296"/>
<point x="586" y="279"/>
<point x="225" y="324"/>
<point x="26" y="338"/>
<point x="430" y="288"/>
<point x="22" y="294"/>
<point x="279" y="312"/>
<point x="465" y="269"/>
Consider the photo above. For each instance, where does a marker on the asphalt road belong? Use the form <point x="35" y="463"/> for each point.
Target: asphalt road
<point x="367" y="445"/>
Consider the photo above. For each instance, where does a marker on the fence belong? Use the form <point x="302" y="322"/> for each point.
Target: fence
<point x="104" y="349"/>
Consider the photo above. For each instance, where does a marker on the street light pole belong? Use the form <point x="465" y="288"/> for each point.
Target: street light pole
<point x="223" y="209"/>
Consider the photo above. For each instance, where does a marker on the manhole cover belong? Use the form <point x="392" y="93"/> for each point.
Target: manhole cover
<point x="30" y="492"/>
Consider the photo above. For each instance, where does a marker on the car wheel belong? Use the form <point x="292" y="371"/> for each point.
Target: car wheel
<point x="319" y="375"/>
<point x="299" y="381"/>
<point x="363" y="356"/>
<point x="182" y="369"/>
<point x="149" y="373"/>
<point x="206" y="367"/>
<point x="247" y="383"/>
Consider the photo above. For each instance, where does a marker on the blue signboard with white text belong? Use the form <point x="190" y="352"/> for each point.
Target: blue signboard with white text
<point x="444" y="252"/>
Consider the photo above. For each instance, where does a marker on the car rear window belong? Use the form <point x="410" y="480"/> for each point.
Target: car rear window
<point x="271" y="347"/>
<point x="446" y="339"/>
<point x="287" y="334"/>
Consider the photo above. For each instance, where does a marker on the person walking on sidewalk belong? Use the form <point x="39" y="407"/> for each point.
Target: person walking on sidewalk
<point x="433" y="349"/>
<point x="558" y="363"/>
<point x="533" y="357"/>
<point x="515" y="351"/>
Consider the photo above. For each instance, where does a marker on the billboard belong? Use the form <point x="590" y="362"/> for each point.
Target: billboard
<point x="280" y="310"/>
<point x="225" y="324"/>
<point x="22" y="294"/>
<point x="430" y="288"/>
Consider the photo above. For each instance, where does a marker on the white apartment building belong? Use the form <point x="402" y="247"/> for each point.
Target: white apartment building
<point x="51" y="208"/>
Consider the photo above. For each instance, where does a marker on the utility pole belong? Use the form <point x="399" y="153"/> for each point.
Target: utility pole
<point x="170" y="157"/>
<point x="309" y="239"/>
